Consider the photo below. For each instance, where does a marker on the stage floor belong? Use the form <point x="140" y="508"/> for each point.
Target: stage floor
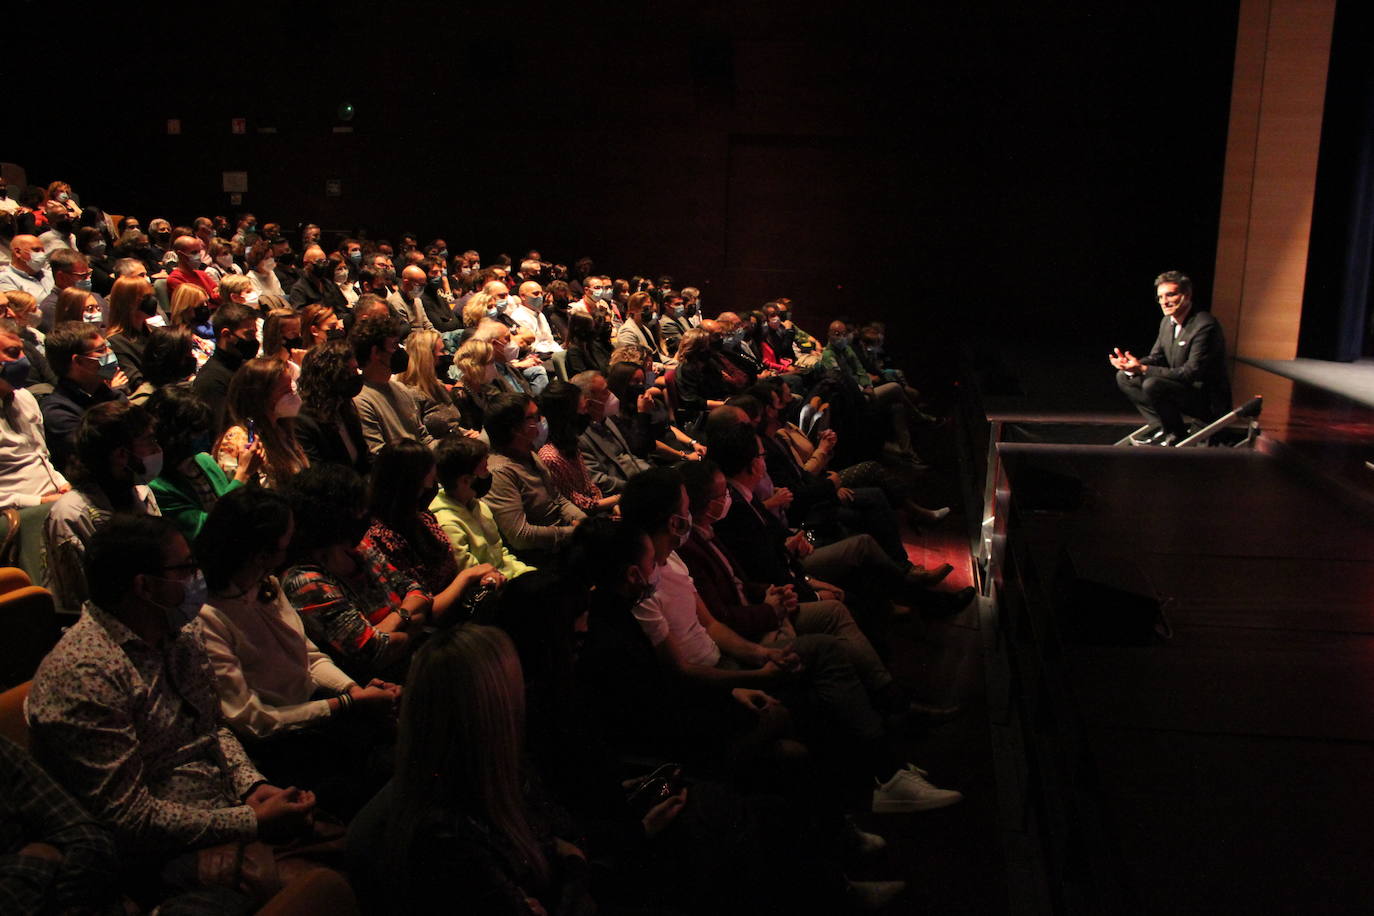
<point x="1227" y="769"/>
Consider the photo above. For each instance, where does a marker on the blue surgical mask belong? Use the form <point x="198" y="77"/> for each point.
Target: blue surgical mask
<point x="194" y="595"/>
<point x="356" y="257"/>
<point x="107" y="365"/>
<point x="16" y="372"/>
<point x="543" y="435"/>
<point x="38" y="260"/>
<point x="83" y="284"/>
<point x="679" y="312"/>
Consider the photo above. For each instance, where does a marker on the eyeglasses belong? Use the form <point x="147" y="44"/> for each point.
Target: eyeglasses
<point x="188" y="566"/>
<point x="12" y="352"/>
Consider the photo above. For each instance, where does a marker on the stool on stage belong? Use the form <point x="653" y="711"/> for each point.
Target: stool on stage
<point x="1201" y="433"/>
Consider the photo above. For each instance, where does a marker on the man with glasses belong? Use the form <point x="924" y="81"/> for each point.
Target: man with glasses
<point x="123" y="713"/>
<point x="69" y="269"/>
<point x="28" y="476"/>
<point x="88" y="374"/>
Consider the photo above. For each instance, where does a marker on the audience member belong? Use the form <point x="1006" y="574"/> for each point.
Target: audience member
<point x="28" y="476"/>
<point x="132" y="303"/>
<point x="386" y="408"/>
<point x="532" y="517"/>
<point x="426" y="376"/>
<point x="236" y="341"/>
<point x="116" y="455"/>
<point x="564" y="407"/>
<point x="467" y="521"/>
<point x="88" y="374"/>
<point x="191" y="482"/>
<point x="123" y="713"/>
<point x="328" y="428"/>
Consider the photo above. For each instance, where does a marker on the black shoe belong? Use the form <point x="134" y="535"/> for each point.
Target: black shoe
<point x="946" y="604"/>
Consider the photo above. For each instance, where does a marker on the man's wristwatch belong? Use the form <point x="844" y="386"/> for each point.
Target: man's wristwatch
<point x="404" y="613"/>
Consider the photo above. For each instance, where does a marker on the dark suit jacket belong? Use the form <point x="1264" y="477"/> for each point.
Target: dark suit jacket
<point x="323" y="443"/>
<point x="62" y="413"/>
<point x="212" y="383"/>
<point x="1197" y="357"/>
<point x="715" y="583"/>
<point x="755" y="537"/>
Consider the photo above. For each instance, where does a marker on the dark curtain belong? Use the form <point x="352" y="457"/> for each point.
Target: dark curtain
<point x="1339" y="297"/>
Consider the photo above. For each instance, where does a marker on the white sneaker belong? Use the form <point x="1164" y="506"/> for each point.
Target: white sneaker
<point x="908" y="790"/>
<point x="874" y="895"/>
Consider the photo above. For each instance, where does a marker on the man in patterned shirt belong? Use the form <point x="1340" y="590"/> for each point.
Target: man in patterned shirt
<point x="123" y="711"/>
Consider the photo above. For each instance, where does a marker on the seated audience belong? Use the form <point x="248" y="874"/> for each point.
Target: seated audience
<point x="301" y="719"/>
<point x="190" y="252"/>
<point x="236" y="340"/>
<point x="191" y="482"/>
<point x="532" y="517"/>
<point x="281" y="339"/>
<point x="645" y="418"/>
<point x="474" y="369"/>
<point x="132" y="303"/>
<point x="355" y="603"/>
<point x="28" y="476"/>
<point x="702" y="381"/>
<point x="406" y="533"/>
<point x="58" y="858"/>
<point x="467" y="521"/>
<point x="262" y="269"/>
<point x="262" y="410"/>
<point x="564" y="407"/>
<point x="587" y="351"/>
<point x="116" y="455"/>
<point x="123" y="714"/>
<point x="460" y="821"/>
<point x="191" y="309"/>
<point x="426" y="376"/>
<point x="327" y="428"/>
<point x="386" y="408"/>
<point x="320" y="323"/>
<point x="604" y="445"/>
<point x="87" y="373"/>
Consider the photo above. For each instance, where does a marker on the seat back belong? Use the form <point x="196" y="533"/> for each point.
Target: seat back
<point x="670" y="385"/>
<point x="164" y="297"/>
<point x="320" y="890"/>
<point x="11" y="578"/>
<point x="28" y="618"/>
<point x="13" y="725"/>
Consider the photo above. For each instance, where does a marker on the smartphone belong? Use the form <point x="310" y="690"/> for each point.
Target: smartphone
<point x="252" y="432"/>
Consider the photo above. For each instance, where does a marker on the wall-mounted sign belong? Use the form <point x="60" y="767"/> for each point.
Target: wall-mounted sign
<point x="235" y="182"/>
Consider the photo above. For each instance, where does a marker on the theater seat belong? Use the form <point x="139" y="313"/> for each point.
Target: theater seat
<point x="319" y="890"/>
<point x="164" y="297"/>
<point x="12" y="577"/>
<point x="13" y="725"/>
<point x="28" y="618"/>
<point x="670" y="385"/>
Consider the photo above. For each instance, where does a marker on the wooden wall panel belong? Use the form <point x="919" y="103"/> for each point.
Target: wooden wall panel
<point x="1282" y="50"/>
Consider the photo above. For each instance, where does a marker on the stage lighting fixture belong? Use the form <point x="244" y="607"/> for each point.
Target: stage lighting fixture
<point x="345" y="111"/>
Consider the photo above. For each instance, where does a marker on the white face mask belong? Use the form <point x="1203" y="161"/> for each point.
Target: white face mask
<point x="193" y="260"/>
<point x="152" y="467"/>
<point x="341" y="276"/>
<point x="611" y="406"/>
<point x="288" y="405"/>
<point x="490" y="374"/>
<point x="251" y="297"/>
<point x="725" y="503"/>
<point x="511" y="351"/>
<point x="225" y="260"/>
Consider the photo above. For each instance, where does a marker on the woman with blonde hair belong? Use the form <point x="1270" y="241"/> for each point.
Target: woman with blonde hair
<point x="479" y="307"/>
<point x="191" y="309"/>
<point x="262" y="407"/>
<point x="132" y="303"/>
<point x="475" y="365"/>
<point x="426" y="376"/>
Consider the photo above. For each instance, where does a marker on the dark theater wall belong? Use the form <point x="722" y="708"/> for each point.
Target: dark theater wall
<point x="939" y="165"/>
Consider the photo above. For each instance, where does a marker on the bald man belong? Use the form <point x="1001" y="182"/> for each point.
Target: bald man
<point x="28" y="271"/>
<point x="190" y="253"/>
<point x="528" y="315"/>
<point x="410" y="298"/>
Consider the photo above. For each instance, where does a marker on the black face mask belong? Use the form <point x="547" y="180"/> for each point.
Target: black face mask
<point x="481" y="486"/>
<point x="148" y="306"/>
<point x="353" y="529"/>
<point x="334" y="334"/>
<point x="581" y="422"/>
<point x="203" y="315"/>
<point x="291" y="343"/>
<point x="246" y="347"/>
<point x="162" y="237"/>
<point x="427" y="496"/>
<point x="353" y="386"/>
<point x="399" y="362"/>
<point x="322" y="269"/>
<point x="442" y="364"/>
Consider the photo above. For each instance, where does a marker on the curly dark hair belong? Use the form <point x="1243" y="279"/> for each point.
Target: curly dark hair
<point x="182" y="417"/>
<point x="651" y="498"/>
<point x="245" y="522"/>
<point x="326" y="384"/>
<point x="167" y="356"/>
<point x="327" y="501"/>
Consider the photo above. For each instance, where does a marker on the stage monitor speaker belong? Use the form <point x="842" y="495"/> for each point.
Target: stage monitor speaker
<point x="1104" y="600"/>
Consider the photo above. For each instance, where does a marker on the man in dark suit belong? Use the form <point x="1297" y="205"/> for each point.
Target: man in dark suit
<point x="1185" y="372"/>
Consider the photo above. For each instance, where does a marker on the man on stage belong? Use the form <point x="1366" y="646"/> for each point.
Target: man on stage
<point x="1185" y="372"/>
